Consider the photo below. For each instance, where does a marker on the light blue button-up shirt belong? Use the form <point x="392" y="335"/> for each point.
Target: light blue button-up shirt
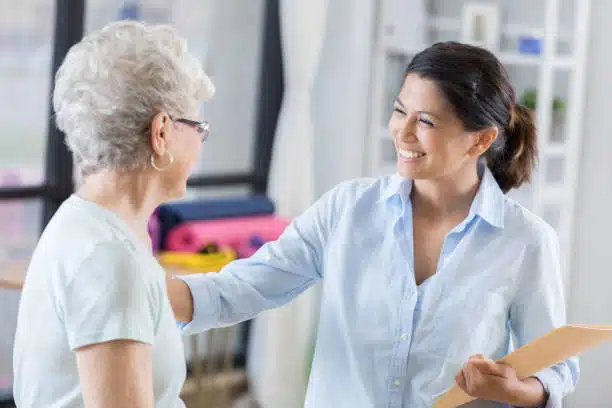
<point x="383" y="340"/>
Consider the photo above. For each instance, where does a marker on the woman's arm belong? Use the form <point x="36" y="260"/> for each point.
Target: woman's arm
<point x="181" y="299"/>
<point x="273" y="276"/>
<point x="111" y="308"/>
<point x="116" y="374"/>
<point x="539" y="307"/>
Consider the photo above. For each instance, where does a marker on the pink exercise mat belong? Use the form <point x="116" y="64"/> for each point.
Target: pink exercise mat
<point x="244" y="234"/>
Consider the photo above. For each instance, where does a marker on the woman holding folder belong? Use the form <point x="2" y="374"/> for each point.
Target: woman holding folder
<point x="428" y="273"/>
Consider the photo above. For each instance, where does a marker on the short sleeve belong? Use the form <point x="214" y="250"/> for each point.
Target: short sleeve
<point x="109" y="297"/>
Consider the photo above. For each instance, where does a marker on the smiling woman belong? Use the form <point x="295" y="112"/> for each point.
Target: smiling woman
<point x="426" y="270"/>
<point x="450" y="115"/>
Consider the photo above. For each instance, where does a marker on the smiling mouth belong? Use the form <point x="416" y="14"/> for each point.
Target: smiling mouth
<point x="410" y="154"/>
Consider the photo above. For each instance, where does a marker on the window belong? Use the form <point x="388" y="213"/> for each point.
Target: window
<point x="26" y="36"/>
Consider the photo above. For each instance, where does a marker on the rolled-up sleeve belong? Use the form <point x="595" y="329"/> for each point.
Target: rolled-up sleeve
<point x="539" y="307"/>
<point x="273" y="276"/>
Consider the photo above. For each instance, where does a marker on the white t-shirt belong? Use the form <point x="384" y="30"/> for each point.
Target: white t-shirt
<point x="91" y="281"/>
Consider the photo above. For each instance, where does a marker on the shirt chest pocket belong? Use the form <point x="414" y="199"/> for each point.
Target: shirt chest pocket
<point x="477" y="325"/>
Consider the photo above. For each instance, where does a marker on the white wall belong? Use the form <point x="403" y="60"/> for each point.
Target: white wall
<point x="590" y="299"/>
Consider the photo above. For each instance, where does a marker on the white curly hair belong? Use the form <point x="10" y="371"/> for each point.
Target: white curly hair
<point x="111" y="85"/>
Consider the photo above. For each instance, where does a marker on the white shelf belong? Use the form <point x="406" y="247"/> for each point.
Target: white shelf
<point x="511" y="31"/>
<point x="564" y="62"/>
<point x="507" y="58"/>
<point x="514" y="58"/>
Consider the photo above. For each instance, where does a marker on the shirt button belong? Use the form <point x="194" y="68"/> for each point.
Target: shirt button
<point x="397" y="383"/>
<point x="404" y="337"/>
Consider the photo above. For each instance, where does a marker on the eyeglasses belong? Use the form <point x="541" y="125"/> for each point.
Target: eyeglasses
<point x="203" y="128"/>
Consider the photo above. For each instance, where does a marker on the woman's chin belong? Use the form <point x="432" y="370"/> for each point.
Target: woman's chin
<point x="413" y="169"/>
<point x="407" y="171"/>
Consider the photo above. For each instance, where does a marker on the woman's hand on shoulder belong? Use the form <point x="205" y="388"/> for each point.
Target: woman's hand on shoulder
<point x="483" y="378"/>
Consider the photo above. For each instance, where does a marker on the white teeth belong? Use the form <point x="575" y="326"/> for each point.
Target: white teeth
<point x="410" y="154"/>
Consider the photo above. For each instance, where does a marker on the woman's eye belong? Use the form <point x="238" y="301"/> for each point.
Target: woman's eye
<point x="398" y="110"/>
<point x="426" y="122"/>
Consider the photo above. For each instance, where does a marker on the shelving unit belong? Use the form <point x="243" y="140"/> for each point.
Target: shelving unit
<point x="558" y="71"/>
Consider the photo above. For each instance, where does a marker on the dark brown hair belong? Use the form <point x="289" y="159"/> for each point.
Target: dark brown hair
<point x="477" y="87"/>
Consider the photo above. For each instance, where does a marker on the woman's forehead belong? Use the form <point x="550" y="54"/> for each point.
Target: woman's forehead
<point x="422" y="94"/>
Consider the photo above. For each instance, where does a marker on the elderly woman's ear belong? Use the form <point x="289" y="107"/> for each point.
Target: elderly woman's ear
<point x="160" y="129"/>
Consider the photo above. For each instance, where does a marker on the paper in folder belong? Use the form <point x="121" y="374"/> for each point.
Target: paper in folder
<point x="556" y="346"/>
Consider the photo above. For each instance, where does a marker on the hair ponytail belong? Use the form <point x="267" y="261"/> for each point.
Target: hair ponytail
<point x="513" y="164"/>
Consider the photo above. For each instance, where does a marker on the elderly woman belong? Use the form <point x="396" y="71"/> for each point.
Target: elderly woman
<point x="95" y="327"/>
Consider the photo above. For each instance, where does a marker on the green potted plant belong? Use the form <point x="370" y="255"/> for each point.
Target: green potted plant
<point x="530" y="97"/>
<point x="529" y="100"/>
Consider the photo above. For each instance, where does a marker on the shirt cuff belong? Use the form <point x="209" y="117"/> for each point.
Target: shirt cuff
<point x="550" y="381"/>
<point x="205" y="304"/>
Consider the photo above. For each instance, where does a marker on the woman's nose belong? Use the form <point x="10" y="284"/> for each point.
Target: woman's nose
<point x="408" y="130"/>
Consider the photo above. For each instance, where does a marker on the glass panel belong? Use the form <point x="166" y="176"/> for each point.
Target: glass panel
<point x="227" y="36"/>
<point x="233" y="61"/>
<point x="19" y="231"/>
<point x="567" y="13"/>
<point x="26" y="35"/>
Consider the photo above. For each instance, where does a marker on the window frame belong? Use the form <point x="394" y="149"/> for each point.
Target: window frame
<point x="58" y="166"/>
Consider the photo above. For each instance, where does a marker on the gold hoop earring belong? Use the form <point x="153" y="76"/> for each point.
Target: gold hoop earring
<point x="156" y="167"/>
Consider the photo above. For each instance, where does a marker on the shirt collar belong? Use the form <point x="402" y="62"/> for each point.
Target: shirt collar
<point x="396" y="186"/>
<point x="488" y="203"/>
